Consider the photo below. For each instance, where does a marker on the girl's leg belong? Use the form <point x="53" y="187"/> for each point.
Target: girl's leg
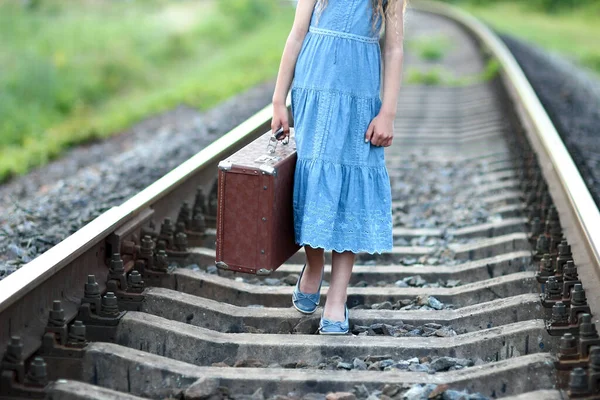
<point x="341" y="270"/>
<point x="311" y="278"/>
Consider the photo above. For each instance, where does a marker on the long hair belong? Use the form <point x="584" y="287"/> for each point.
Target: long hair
<point x="379" y="11"/>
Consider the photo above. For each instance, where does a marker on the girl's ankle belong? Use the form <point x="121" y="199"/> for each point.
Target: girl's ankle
<point x="311" y="276"/>
<point x="334" y="311"/>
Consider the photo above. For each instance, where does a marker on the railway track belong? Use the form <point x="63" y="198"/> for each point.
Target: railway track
<point x="494" y="235"/>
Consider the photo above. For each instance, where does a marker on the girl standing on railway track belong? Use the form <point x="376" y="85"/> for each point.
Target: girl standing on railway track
<point x="342" y="194"/>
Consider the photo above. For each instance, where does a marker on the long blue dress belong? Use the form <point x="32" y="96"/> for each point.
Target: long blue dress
<point x="342" y="194"/>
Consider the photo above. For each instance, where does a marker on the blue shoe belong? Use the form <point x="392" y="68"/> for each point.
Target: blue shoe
<point x="306" y="303"/>
<point x="330" y="327"/>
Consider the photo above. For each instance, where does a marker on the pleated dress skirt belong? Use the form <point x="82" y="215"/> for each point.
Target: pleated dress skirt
<point x="342" y="194"/>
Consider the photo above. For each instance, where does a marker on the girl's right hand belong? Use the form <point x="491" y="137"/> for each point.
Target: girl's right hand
<point x="280" y="119"/>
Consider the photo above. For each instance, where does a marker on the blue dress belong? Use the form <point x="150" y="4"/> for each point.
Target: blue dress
<point x="342" y="194"/>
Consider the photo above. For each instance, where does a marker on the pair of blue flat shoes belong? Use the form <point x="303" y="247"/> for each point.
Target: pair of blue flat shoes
<point x="307" y="303"/>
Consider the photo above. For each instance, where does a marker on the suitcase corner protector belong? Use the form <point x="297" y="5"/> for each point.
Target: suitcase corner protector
<point x="225" y="165"/>
<point x="263" y="271"/>
<point x="267" y="169"/>
<point x="221" y="265"/>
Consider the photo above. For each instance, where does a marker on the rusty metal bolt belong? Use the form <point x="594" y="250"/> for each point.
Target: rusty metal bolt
<point x="200" y="201"/>
<point x="14" y="350"/>
<point x="564" y="249"/>
<point x="578" y="382"/>
<point x="542" y="246"/>
<point x="116" y="265"/>
<point x="554" y="242"/>
<point x="37" y="374"/>
<point x="134" y="280"/>
<point x="161" y="245"/>
<point x="559" y="313"/>
<point x="180" y="227"/>
<point x="148" y="230"/>
<point x="57" y="314"/>
<point x="147" y="247"/>
<point x="554" y="228"/>
<point x="564" y="255"/>
<point x="91" y="290"/>
<point x="586" y="328"/>
<point x="198" y="223"/>
<point x="568" y="344"/>
<point x="167" y="227"/>
<point x="595" y="358"/>
<point x="578" y="295"/>
<point x="185" y="215"/>
<point x="161" y="262"/>
<point x="546" y="268"/>
<point x="553" y="288"/>
<point x="110" y="304"/>
<point x="77" y="332"/>
<point x="570" y="271"/>
<point x="181" y="241"/>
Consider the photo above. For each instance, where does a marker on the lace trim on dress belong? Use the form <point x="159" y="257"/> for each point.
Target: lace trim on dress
<point x="333" y="229"/>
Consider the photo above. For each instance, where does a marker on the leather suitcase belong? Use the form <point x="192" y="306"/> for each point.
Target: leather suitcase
<point x="255" y="226"/>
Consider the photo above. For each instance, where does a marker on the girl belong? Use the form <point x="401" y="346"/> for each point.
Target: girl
<point x="342" y="194"/>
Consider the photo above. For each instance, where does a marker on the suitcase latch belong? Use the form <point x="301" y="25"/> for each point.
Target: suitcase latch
<point x="264" y="159"/>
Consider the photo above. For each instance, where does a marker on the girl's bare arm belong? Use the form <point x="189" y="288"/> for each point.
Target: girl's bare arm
<point x="381" y="128"/>
<point x="393" y="58"/>
<point x="288" y="62"/>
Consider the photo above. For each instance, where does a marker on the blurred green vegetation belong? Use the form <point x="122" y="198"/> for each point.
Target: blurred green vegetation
<point x="569" y="27"/>
<point x="78" y="71"/>
<point x="546" y="6"/>
<point x="430" y="48"/>
<point x="437" y="75"/>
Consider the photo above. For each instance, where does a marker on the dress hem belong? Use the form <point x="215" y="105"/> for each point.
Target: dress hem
<point x="342" y="249"/>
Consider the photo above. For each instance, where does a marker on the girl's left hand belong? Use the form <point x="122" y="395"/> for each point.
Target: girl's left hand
<point x="380" y="131"/>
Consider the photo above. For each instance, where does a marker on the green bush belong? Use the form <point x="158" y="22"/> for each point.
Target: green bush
<point x="247" y="13"/>
<point x="78" y="71"/>
<point x="558" y="5"/>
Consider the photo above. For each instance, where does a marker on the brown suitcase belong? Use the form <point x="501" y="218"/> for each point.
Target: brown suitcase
<point x="255" y="225"/>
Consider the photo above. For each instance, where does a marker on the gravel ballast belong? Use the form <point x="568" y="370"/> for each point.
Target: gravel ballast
<point x="571" y="96"/>
<point x="39" y="210"/>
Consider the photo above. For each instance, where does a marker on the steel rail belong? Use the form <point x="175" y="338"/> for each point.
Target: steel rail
<point x="60" y="272"/>
<point x="13" y="287"/>
<point x="571" y="196"/>
<point x="572" y="199"/>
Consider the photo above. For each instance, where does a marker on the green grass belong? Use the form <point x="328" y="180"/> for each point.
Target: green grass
<point x="431" y="48"/>
<point x="432" y="77"/>
<point x="570" y="31"/>
<point x="79" y="71"/>
<point x="438" y="76"/>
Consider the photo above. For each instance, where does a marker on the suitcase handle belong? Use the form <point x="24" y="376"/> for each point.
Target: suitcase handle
<point x="272" y="145"/>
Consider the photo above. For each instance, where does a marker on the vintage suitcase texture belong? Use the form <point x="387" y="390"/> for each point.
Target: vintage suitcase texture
<point x="255" y="226"/>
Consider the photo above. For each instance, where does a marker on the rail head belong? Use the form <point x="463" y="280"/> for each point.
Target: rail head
<point x="556" y="162"/>
<point x="34" y="273"/>
<point x="580" y="202"/>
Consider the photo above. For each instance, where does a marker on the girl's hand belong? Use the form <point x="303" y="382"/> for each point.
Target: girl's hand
<point x="280" y="119"/>
<point x="381" y="131"/>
